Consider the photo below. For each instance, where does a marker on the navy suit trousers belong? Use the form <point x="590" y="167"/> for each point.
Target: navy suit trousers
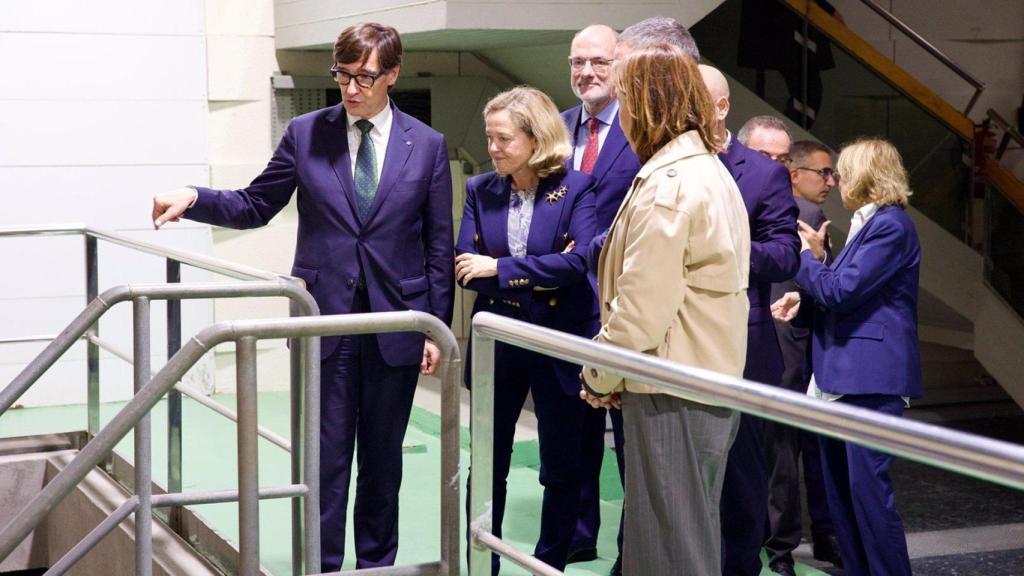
<point x="861" y="500"/>
<point x="365" y="403"/>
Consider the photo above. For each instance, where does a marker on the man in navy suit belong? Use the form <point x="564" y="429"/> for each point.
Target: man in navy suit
<point x="774" y="247"/>
<point x="811" y="174"/>
<point x="601" y="150"/>
<point x="375" y="235"/>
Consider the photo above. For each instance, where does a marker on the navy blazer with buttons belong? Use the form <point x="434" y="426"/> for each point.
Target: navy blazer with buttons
<point x="404" y="248"/>
<point x="864" y="337"/>
<point x="548" y="286"/>
<point x="774" y="246"/>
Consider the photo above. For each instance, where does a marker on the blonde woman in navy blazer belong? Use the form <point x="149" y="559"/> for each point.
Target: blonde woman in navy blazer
<point x="865" y="346"/>
<point x="542" y="280"/>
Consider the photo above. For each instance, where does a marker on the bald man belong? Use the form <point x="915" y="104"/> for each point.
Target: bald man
<point x="774" y="257"/>
<point x="601" y="150"/>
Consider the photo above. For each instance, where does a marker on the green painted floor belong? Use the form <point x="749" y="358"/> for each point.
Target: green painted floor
<point x="209" y="463"/>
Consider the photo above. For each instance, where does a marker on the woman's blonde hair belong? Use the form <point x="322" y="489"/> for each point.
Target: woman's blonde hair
<point x="534" y="113"/>
<point x="661" y="89"/>
<point x="873" y="172"/>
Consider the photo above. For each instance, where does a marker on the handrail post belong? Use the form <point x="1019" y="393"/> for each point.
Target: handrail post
<point x="143" y="464"/>
<point x="450" y="482"/>
<point x="92" y="350"/>
<point x="311" y="450"/>
<point x="295" y="393"/>
<point x="174" y="454"/>
<point x="482" y="450"/>
<point x="248" y="458"/>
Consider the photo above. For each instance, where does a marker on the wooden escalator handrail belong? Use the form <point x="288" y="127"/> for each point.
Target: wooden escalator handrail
<point x="1006" y="183"/>
<point x="894" y="75"/>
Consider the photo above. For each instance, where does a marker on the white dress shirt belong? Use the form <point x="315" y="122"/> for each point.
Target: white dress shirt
<point x="379" y="135"/>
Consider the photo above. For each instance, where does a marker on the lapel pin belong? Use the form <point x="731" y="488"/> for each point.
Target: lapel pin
<point x="557" y="195"/>
<point x="408" y="142"/>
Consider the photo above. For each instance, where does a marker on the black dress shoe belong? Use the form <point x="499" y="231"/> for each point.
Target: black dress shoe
<point x="782" y="567"/>
<point x="581" y="555"/>
<point x="827" y="550"/>
<point x="616" y="568"/>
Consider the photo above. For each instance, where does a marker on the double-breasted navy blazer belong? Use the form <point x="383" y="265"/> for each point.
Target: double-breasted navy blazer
<point x="404" y="248"/>
<point x="774" y="247"/>
<point x="547" y="287"/>
<point x="864" y="338"/>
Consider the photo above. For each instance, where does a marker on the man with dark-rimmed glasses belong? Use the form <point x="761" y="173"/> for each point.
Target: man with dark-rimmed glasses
<point x="374" y="235"/>
<point x="812" y="176"/>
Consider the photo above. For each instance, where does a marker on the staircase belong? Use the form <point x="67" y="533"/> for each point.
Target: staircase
<point x="968" y="207"/>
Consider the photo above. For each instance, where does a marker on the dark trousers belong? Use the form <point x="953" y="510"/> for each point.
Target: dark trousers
<point x="744" y="500"/>
<point x="364" y="403"/>
<point x="786" y="447"/>
<point x="588" y="522"/>
<point x="559" y="428"/>
<point x="860" y="497"/>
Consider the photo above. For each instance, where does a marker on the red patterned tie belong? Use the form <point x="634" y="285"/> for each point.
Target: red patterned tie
<point x="590" y="152"/>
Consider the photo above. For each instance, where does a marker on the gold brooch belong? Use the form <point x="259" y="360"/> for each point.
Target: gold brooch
<point x="557" y="195"/>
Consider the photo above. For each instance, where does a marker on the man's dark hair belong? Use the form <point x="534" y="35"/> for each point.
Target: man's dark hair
<point x="801" y="150"/>
<point x="660" y="30"/>
<point x="357" y="42"/>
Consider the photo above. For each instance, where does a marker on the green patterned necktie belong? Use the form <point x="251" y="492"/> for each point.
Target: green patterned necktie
<point x="366" y="170"/>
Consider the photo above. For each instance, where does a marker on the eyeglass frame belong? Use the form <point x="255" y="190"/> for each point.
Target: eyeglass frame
<point x="825" y="173"/>
<point x="783" y="159"/>
<point x="335" y="72"/>
<point x="578" y="64"/>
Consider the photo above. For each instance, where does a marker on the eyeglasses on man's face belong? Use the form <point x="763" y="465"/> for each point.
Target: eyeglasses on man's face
<point x="780" y="158"/>
<point x="363" y="79"/>
<point x="825" y="173"/>
<point x="598" y="65"/>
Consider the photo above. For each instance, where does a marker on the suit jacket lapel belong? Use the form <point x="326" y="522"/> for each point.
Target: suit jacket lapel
<point x="400" y="145"/>
<point x="340" y="159"/>
<point x="852" y="246"/>
<point x="546" y="215"/>
<point x="614" y="143"/>
<point x="493" y="217"/>
<point x="734" y="161"/>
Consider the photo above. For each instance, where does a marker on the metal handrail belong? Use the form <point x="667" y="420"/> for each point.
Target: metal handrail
<point x="984" y="458"/>
<point x="210" y="263"/>
<point x="928" y="46"/>
<point x="141" y="295"/>
<point x="174" y="260"/>
<point x="909" y="32"/>
<point x="1009" y="132"/>
<point x="245" y="334"/>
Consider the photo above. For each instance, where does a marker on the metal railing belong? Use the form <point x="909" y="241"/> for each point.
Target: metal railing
<point x="174" y="259"/>
<point x="141" y="296"/>
<point x="245" y="334"/>
<point x="930" y="48"/>
<point x="968" y="454"/>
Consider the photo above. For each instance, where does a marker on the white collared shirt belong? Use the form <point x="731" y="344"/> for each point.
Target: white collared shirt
<point x="860" y="218"/>
<point x="379" y="135"/>
<point x="606" y="117"/>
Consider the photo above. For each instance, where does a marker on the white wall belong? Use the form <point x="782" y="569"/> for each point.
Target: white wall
<point x="102" y="104"/>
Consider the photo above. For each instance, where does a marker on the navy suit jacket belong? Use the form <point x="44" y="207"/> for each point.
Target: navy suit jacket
<point x="774" y="250"/>
<point x="547" y="287"/>
<point x="404" y="248"/>
<point x="864" y="339"/>
<point x="614" y="171"/>
<point x="793" y="339"/>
